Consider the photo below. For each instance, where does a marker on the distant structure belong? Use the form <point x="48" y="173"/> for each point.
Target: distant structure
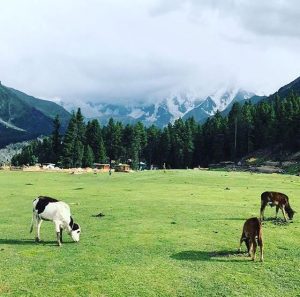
<point x="122" y="168"/>
<point x="103" y="167"/>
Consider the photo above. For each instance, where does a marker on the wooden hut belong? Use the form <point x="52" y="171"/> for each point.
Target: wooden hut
<point x="102" y="167"/>
<point x="122" y="168"/>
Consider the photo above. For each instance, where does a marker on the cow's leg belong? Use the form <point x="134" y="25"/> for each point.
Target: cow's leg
<point x="247" y="244"/>
<point x="262" y="210"/>
<point x="261" y="245"/>
<point x="61" y="230"/>
<point x="250" y="247"/>
<point x="284" y="214"/>
<point x="38" y="229"/>
<point x="277" y="208"/>
<point x="57" y="229"/>
<point x="254" y="249"/>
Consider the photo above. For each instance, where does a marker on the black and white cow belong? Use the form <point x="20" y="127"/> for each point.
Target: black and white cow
<point x="50" y="209"/>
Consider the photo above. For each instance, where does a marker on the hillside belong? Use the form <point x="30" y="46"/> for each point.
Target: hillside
<point x="23" y="117"/>
<point x="284" y="91"/>
<point x="48" y="108"/>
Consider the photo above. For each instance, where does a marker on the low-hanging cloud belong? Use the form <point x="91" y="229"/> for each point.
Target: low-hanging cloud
<point x="140" y="51"/>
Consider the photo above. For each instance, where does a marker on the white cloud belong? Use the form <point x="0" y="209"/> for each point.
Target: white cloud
<point x="109" y="50"/>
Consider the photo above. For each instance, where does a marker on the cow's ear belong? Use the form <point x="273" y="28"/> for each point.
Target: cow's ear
<point x="75" y="227"/>
<point x="71" y="222"/>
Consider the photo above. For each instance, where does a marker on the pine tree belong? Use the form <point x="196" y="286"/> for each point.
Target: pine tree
<point x="56" y="140"/>
<point x="74" y="140"/>
<point x="233" y="125"/>
<point x="88" y="156"/>
<point x="94" y="139"/>
<point x="139" y="142"/>
<point x="68" y="144"/>
<point x="151" y="149"/>
<point x="113" y="139"/>
<point x="164" y="147"/>
<point x="188" y="144"/>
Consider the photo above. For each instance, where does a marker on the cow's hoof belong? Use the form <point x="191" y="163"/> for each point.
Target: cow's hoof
<point x="37" y="239"/>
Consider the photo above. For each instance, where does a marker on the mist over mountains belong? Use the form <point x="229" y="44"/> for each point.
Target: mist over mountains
<point x="24" y="117"/>
<point x="166" y="110"/>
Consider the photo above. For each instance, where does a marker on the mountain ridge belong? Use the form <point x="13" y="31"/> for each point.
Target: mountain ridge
<point x="171" y="108"/>
<point x="24" y="117"/>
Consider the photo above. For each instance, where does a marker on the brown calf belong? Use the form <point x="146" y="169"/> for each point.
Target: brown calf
<point x="252" y="230"/>
<point x="279" y="200"/>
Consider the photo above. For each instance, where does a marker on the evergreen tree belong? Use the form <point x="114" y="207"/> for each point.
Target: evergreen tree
<point x="188" y="144"/>
<point x="68" y="144"/>
<point x="151" y="149"/>
<point x="139" y="143"/>
<point x="26" y="157"/>
<point x="94" y="139"/>
<point x="113" y="139"/>
<point x="88" y="156"/>
<point x="233" y="121"/>
<point x="164" y="147"/>
<point x="56" y="140"/>
<point x="74" y="140"/>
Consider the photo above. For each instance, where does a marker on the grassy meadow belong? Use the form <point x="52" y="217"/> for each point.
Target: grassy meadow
<point x="163" y="234"/>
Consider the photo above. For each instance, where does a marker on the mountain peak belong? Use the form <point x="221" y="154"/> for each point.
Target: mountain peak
<point x="180" y="105"/>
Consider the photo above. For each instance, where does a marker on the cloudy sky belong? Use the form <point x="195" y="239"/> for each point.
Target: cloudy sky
<point x="128" y="51"/>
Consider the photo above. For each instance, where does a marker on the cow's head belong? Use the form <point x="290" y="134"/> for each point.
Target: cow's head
<point x="290" y="212"/>
<point x="75" y="232"/>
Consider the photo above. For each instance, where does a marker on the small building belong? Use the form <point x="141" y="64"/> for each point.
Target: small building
<point x="122" y="168"/>
<point x="48" y="165"/>
<point x="100" y="166"/>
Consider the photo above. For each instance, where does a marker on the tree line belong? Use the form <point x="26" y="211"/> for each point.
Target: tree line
<point x="181" y="144"/>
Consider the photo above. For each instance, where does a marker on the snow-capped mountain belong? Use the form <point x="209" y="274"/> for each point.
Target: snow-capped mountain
<point x="220" y="100"/>
<point x="168" y="109"/>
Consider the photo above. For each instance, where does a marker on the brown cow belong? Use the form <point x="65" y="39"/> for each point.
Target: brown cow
<point x="279" y="200"/>
<point x="252" y="230"/>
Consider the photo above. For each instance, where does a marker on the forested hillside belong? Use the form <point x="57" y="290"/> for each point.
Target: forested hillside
<point x="275" y="121"/>
<point x="24" y="117"/>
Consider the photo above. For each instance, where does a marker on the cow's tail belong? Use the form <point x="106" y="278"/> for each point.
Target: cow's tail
<point x="33" y="215"/>
<point x="259" y="235"/>
<point x="32" y="220"/>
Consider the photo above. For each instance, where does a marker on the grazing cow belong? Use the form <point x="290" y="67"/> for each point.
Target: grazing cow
<point x="279" y="200"/>
<point x="50" y="209"/>
<point x="252" y="231"/>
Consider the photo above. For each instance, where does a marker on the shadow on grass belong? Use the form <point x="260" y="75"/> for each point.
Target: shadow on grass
<point x="220" y="256"/>
<point x="29" y="242"/>
<point x="277" y="221"/>
<point x="17" y="241"/>
<point x="225" y="219"/>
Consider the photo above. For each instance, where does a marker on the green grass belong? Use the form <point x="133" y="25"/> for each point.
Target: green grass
<point x="163" y="234"/>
